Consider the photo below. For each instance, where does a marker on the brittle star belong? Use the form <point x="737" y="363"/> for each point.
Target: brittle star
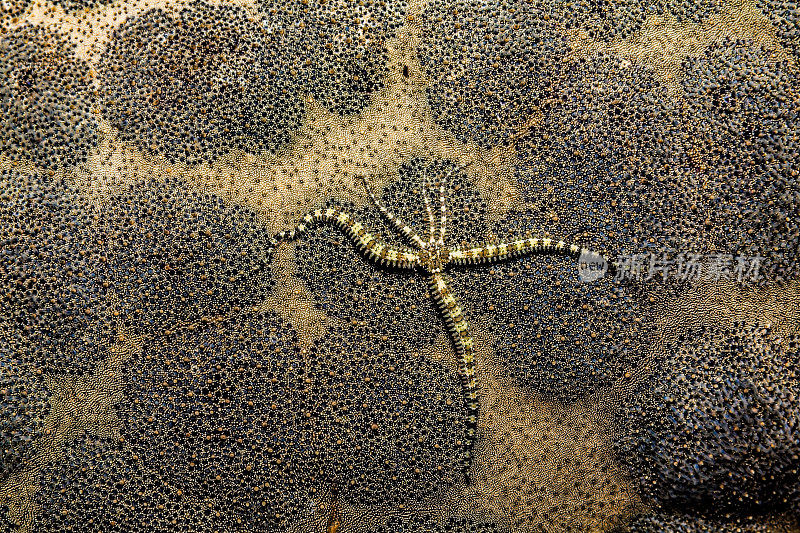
<point x="432" y="257"/>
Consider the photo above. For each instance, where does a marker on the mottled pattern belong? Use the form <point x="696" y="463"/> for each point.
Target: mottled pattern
<point x="785" y="15"/>
<point x="690" y="524"/>
<point x="206" y="440"/>
<point x="715" y="425"/>
<point x="169" y="362"/>
<point x="487" y="80"/>
<point x="23" y="402"/>
<point x="337" y="48"/>
<point x="401" y="415"/>
<point x="424" y="523"/>
<point x="173" y="257"/>
<point x="743" y="121"/>
<point x="47" y="99"/>
<point x="50" y="295"/>
<point x="197" y="91"/>
<point x="621" y="145"/>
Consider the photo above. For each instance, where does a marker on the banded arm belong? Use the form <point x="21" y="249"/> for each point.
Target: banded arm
<point x="459" y="330"/>
<point x="428" y="209"/>
<point x="442" y="212"/>
<point x="495" y="253"/>
<point x="433" y="228"/>
<point x="371" y="246"/>
<point x="395" y="221"/>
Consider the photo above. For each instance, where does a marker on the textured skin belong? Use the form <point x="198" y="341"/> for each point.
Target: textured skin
<point x="163" y="371"/>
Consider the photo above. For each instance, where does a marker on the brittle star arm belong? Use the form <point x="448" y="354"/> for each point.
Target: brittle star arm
<point x="367" y="243"/>
<point x="396" y="222"/>
<point x="495" y="253"/>
<point x="442" y="212"/>
<point x="428" y="209"/>
<point x="459" y="330"/>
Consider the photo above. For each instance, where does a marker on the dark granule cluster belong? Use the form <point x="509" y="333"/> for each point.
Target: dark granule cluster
<point x="714" y="428"/>
<point x="156" y="376"/>
<point x="199" y="84"/>
<point x="47" y="99"/>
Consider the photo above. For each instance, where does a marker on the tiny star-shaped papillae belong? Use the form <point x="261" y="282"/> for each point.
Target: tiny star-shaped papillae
<point x="432" y="258"/>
